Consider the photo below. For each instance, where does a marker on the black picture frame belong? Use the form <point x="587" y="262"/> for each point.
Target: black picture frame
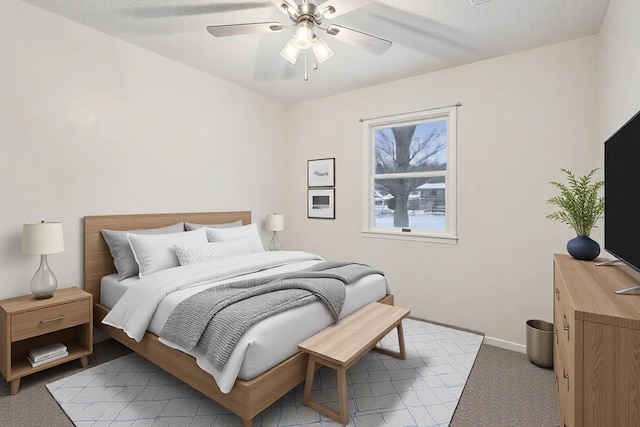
<point x="321" y="173"/>
<point x="321" y="203"/>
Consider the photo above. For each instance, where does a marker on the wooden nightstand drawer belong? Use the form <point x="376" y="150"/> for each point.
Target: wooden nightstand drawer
<point x="38" y="322"/>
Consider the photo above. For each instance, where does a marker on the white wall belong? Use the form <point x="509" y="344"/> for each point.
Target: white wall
<point x="91" y="125"/>
<point x="618" y="68"/>
<point x="523" y="117"/>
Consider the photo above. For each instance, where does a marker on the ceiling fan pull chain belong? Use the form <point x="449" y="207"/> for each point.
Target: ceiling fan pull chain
<point x="306" y="73"/>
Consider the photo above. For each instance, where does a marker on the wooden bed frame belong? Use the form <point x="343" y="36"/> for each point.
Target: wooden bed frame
<point x="247" y="398"/>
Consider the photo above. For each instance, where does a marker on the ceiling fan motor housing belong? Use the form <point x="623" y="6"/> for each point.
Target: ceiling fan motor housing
<point x="308" y="11"/>
<point x="307" y="16"/>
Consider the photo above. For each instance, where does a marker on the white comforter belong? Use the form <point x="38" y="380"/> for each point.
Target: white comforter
<point x="135" y="310"/>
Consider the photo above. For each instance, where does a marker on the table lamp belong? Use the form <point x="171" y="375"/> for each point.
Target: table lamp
<point x="41" y="239"/>
<point x="275" y="223"/>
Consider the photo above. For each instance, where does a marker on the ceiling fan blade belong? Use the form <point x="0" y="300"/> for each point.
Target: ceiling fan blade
<point x="334" y="8"/>
<point x="189" y="10"/>
<point x="287" y="6"/>
<point x="239" y="29"/>
<point x="362" y="40"/>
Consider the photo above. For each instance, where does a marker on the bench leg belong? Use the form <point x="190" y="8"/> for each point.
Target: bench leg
<point x="402" y="354"/>
<point x="403" y="351"/>
<point x="342" y="394"/>
<point x="311" y="368"/>
<point x="341" y="416"/>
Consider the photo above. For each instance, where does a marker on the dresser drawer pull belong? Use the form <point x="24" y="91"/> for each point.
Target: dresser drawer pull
<point x="555" y="332"/>
<point x="564" y="323"/>
<point x="55" y="319"/>
<point x="557" y="294"/>
<point x="565" y="375"/>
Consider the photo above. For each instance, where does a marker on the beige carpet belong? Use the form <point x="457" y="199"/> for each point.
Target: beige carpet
<point x="505" y="389"/>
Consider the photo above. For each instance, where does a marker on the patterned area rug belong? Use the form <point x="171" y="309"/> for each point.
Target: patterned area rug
<point x="422" y="390"/>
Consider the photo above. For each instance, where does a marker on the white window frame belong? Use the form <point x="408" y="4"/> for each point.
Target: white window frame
<point x="370" y="126"/>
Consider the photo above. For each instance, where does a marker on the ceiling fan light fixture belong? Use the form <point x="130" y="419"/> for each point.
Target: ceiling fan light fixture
<point x="304" y="34"/>
<point x="321" y="49"/>
<point x="290" y="51"/>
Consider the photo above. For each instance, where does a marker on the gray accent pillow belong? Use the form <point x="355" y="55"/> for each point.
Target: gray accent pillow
<point x="120" y="249"/>
<point x="190" y="226"/>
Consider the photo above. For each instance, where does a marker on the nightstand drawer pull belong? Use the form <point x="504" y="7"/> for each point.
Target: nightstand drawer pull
<point x="55" y="319"/>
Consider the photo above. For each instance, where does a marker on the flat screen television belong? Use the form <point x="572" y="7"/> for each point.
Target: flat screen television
<point x="622" y="193"/>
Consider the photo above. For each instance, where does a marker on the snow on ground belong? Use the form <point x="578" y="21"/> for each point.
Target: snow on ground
<point x="417" y="220"/>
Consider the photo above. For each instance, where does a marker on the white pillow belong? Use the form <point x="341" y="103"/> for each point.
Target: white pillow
<point x="225" y="234"/>
<point x="193" y="226"/>
<point x="189" y="254"/>
<point x="120" y="249"/>
<point x="154" y="252"/>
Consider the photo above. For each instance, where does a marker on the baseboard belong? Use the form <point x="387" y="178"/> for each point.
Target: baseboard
<point x="508" y="345"/>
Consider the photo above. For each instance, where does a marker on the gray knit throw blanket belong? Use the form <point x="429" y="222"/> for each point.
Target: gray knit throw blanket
<point x="216" y="318"/>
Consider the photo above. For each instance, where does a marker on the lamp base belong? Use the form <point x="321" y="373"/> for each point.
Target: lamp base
<point x="274" y="244"/>
<point x="44" y="282"/>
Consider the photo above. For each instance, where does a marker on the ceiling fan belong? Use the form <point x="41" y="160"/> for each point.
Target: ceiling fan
<point x="307" y="16"/>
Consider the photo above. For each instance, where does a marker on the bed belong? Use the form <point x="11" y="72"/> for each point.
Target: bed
<point x="246" y="397"/>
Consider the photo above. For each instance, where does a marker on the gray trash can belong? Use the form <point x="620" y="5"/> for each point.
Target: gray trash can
<point x="540" y="343"/>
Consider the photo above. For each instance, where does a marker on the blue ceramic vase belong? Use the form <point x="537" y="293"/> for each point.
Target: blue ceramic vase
<point x="583" y="247"/>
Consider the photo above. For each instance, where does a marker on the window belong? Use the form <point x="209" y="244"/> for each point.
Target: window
<point x="410" y="183"/>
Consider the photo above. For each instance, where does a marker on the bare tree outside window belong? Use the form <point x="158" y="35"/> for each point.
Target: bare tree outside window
<point x="402" y="149"/>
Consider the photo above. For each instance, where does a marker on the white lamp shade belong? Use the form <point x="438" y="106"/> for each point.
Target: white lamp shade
<point x="321" y="49"/>
<point x="304" y="35"/>
<point x="274" y="222"/>
<point x="42" y="238"/>
<point x="290" y="51"/>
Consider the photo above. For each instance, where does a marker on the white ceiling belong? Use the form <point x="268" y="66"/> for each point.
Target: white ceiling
<point x="427" y="35"/>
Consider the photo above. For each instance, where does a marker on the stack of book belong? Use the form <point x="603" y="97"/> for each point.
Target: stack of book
<point x="46" y="354"/>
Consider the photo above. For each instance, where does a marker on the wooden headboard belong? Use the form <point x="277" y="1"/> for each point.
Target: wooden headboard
<point x="97" y="258"/>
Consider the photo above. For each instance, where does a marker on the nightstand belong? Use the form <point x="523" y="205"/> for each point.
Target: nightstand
<point x="27" y="323"/>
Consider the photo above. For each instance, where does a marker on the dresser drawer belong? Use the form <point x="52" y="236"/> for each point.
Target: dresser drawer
<point x="565" y="375"/>
<point x="37" y="322"/>
<point x="564" y="320"/>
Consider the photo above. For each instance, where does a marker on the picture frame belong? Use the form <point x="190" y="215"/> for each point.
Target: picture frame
<point x="321" y="172"/>
<point x="321" y="203"/>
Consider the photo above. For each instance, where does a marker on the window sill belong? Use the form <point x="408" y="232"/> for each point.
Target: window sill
<point x="415" y="237"/>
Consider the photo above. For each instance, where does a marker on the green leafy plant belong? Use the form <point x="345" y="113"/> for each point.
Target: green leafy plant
<point x="579" y="203"/>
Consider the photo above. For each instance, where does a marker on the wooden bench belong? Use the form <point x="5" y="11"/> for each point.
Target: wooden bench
<point x="341" y="345"/>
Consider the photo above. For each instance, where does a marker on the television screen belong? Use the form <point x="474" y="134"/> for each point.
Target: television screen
<point x="622" y="193"/>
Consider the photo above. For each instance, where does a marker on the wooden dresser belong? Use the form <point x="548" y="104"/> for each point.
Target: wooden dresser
<point x="596" y="351"/>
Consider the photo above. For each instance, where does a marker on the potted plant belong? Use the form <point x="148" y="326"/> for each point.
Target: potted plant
<point x="579" y="207"/>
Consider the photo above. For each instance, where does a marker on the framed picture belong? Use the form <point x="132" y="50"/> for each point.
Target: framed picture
<point x="321" y="173"/>
<point x="321" y="203"/>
